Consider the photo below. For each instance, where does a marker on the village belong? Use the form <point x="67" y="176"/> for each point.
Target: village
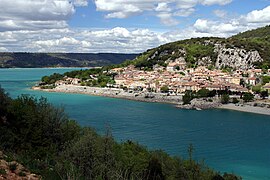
<point x="176" y="78"/>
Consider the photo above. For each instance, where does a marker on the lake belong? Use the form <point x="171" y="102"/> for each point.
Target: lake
<point x="227" y="140"/>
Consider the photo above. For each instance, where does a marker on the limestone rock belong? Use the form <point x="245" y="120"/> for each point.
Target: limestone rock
<point x="236" y="58"/>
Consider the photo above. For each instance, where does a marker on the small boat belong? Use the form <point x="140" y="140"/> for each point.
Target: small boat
<point x="198" y="109"/>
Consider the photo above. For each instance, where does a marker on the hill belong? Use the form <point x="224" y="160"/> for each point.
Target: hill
<point x="24" y="60"/>
<point x="243" y="51"/>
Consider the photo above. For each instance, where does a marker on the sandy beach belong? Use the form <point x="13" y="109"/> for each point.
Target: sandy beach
<point x="146" y="97"/>
<point x="117" y="93"/>
<point x="246" y="108"/>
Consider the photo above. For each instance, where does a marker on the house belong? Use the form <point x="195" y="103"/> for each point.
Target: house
<point x="252" y="81"/>
<point x="75" y="81"/>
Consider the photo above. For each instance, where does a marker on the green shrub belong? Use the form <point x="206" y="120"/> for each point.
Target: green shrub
<point x="235" y="101"/>
<point x="22" y="174"/>
<point x="225" y="98"/>
<point x="3" y="172"/>
<point x="12" y="166"/>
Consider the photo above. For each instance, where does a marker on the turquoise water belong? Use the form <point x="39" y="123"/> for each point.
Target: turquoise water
<point x="228" y="140"/>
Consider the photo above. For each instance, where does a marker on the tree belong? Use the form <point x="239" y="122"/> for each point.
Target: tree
<point x="164" y="89"/>
<point x="235" y="101"/>
<point x="188" y="97"/>
<point x="257" y="88"/>
<point x="264" y="94"/>
<point x="247" y="97"/>
<point x="265" y="79"/>
<point x="225" y="98"/>
<point x="203" y="93"/>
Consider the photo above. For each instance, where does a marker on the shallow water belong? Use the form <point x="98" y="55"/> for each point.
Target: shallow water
<point x="228" y="140"/>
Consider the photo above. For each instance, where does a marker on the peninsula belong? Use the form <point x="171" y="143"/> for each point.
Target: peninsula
<point x="198" y="73"/>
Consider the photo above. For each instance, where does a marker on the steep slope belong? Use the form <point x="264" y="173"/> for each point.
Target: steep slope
<point x="243" y="51"/>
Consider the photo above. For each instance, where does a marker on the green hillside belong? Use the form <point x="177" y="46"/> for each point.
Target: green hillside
<point x="197" y="48"/>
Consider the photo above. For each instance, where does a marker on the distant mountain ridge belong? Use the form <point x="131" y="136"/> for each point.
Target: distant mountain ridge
<point x="27" y="60"/>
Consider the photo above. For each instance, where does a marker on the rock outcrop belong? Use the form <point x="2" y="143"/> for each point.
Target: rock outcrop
<point x="14" y="171"/>
<point x="236" y="58"/>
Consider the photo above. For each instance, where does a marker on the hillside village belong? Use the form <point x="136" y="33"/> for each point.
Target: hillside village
<point x="176" y="78"/>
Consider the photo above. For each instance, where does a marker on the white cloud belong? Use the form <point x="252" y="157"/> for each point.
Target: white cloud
<point x="212" y="2"/>
<point x="167" y="19"/>
<point x="81" y="2"/>
<point x="220" y="13"/>
<point x="177" y="8"/>
<point x="253" y="19"/>
<point x="163" y="7"/>
<point x="49" y="32"/>
<point x="3" y="49"/>
<point x="184" y="12"/>
<point x="215" y="27"/>
<point x="38" y="14"/>
<point x="259" y="16"/>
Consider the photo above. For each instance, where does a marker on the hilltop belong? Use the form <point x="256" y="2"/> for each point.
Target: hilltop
<point x="35" y="60"/>
<point x="243" y="51"/>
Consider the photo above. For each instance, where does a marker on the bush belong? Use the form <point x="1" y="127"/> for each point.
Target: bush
<point x="12" y="166"/>
<point x="225" y="98"/>
<point x="3" y="172"/>
<point x="188" y="97"/>
<point x="164" y="89"/>
<point x="235" y="101"/>
<point x="247" y="97"/>
<point x="203" y="93"/>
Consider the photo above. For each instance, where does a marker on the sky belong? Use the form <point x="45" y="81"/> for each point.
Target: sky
<point x="121" y="26"/>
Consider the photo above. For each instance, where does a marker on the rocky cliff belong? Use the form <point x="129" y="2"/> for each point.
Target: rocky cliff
<point x="236" y="58"/>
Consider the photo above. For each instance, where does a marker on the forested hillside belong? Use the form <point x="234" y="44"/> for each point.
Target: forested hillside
<point x="24" y="60"/>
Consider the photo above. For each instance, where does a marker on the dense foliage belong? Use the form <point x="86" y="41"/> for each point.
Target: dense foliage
<point x="43" y="139"/>
<point x="61" y="59"/>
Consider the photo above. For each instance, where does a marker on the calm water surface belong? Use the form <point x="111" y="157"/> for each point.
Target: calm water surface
<point x="228" y="140"/>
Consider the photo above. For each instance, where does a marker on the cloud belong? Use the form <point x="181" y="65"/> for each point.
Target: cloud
<point x="220" y="13"/>
<point x="212" y="2"/>
<point x="20" y="32"/>
<point x="184" y="12"/>
<point x="251" y="20"/>
<point x="3" y="49"/>
<point x="259" y="16"/>
<point x="81" y="3"/>
<point x="217" y="28"/>
<point x="164" y="9"/>
<point x="38" y="14"/>
<point x="167" y="19"/>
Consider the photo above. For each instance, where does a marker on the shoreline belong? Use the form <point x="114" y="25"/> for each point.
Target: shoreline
<point x="175" y="100"/>
<point x="116" y="93"/>
<point x="246" y="108"/>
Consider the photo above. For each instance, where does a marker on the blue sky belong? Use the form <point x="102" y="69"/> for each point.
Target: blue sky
<point x="124" y="26"/>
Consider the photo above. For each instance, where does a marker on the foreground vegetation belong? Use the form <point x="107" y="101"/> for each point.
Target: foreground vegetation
<point x="43" y="139"/>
